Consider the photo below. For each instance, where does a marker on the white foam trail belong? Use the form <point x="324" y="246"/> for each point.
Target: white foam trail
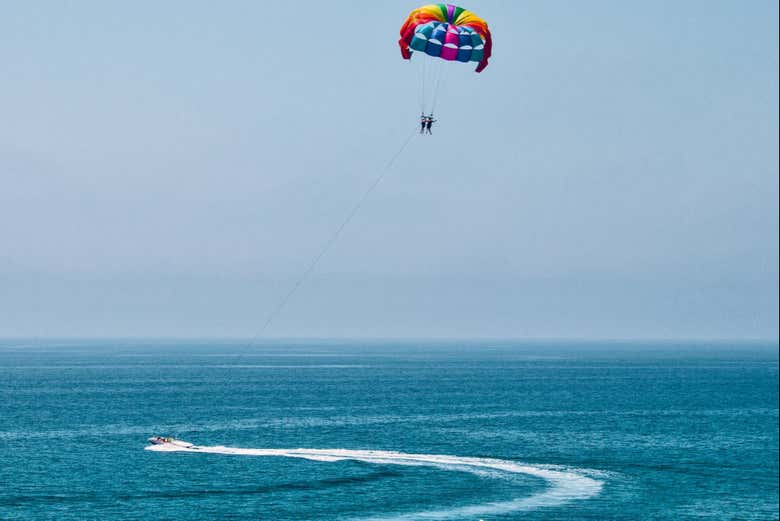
<point x="565" y="485"/>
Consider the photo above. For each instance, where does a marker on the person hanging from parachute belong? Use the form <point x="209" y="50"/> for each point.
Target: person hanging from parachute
<point x="426" y="122"/>
<point x="429" y="123"/>
<point x="447" y="32"/>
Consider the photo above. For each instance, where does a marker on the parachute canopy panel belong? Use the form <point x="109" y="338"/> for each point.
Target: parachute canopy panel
<point x="448" y="32"/>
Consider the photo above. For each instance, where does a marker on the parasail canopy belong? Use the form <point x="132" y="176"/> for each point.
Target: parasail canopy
<point x="448" y="32"/>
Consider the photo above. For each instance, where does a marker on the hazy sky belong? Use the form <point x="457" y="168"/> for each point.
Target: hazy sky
<point x="170" y="168"/>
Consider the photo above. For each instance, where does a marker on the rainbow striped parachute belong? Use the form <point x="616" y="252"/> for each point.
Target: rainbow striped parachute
<point x="448" y="32"/>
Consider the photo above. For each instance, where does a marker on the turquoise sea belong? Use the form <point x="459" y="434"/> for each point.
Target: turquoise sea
<point x="389" y="430"/>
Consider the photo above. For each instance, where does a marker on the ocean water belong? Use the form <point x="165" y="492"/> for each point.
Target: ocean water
<point x="293" y="430"/>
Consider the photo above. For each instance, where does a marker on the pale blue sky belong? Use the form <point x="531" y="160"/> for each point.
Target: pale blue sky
<point x="171" y="169"/>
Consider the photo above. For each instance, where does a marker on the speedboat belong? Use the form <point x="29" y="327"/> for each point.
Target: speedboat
<point x="160" y="440"/>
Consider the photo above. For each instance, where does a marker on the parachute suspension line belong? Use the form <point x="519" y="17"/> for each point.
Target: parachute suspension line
<point x="331" y="241"/>
<point x="430" y="79"/>
<point x="430" y="71"/>
<point x="422" y="94"/>
<point x="439" y="80"/>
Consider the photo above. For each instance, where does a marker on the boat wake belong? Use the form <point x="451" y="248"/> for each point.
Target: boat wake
<point x="565" y="484"/>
